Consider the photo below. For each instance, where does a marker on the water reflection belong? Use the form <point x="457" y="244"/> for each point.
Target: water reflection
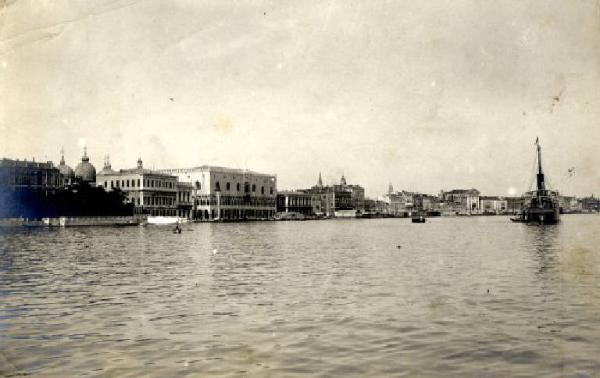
<point x="542" y="240"/>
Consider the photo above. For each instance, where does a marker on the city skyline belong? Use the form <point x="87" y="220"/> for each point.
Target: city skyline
<point x="425" y="96"/>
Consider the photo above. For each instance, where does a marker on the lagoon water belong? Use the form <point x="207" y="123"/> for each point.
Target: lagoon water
<point x="467" y="296"/>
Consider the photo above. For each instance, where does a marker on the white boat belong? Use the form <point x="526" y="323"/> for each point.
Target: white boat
<point x="165" y="220"/>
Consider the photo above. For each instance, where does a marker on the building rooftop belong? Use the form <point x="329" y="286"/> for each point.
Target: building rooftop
<point x="208" y="168"/>
<point x="25" y="163"/>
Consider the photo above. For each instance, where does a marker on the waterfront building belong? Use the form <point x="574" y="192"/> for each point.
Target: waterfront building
<point x="590" y="204"/>
<point x="322" y="200"/>
<point x="424" y="202"/>
<point x="570" y="204"/>
<point x="185" y="201"/>
<point x="376" y="206"/>
<point x="151" y="192"/>
<point x="493" y="205"/>
<point x="461" y="201"/>
<point x="514" y="204"/>
<point x="400" y="203"/>
<point x="337" y="200"/>
<point x="297" y="201"/>
<point x="221" y="193"/>
<point x="85" y="172"/>
<point x="357" y="194"/>
<point x="30" y="175"/>
<point x="25" y="187"/>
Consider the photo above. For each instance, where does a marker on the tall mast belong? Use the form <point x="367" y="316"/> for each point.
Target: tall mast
<point x="540" y="175"/>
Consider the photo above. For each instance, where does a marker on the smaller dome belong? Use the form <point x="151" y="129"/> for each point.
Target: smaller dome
<point x="66" y="171"/>
<point x="107" y="169"/>
<point x="85" y="170"/>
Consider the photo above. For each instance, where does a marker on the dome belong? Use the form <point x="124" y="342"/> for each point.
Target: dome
<point x="85" y="170"/>
<point x="107" y="169"/>
<point x="65" y="170"/>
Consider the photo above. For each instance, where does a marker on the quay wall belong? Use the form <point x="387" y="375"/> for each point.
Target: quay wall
<point x="90" y="221"/>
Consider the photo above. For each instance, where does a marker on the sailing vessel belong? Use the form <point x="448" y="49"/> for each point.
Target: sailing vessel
<point x="540" y="205"/>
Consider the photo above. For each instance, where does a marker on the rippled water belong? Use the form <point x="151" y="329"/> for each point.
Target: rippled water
<point x="475" y="296"/>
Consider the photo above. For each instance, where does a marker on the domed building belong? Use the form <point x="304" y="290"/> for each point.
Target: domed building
<point x="85" y="171"/>
<point x="66" y="172"/>
<point x="107" y="169"/>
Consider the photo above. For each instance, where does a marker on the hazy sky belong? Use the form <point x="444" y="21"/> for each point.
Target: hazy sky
<point x="427" y="95"/>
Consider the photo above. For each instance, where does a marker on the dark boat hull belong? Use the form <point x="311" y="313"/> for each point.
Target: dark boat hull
<point x="539" y="216"/>
<point x="418" y="220"/>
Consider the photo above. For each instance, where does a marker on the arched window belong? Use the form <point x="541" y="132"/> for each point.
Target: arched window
<point x="217" y="186"/>
<point x="138" y="183"/>
<point x="262" y="190"/>
<point x="238" y="186"/>
<point x="227" y="186"/>
<point x="253" y="188"/>
<point x="271" y="190"/>
<point x="198" y="186"/>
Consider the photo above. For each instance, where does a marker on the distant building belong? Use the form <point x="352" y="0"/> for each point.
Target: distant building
<point x="399" y="203"/>
<point x="29" y="175"/>
<point x="185" y="200"/>
<point x="376" y="206"/>
<point x="493" y="205"/>
<point x="590" y="204"/>
<point x="570" y="204"/>
<point x="514" y="204"/>
<point x="337" y="200"/>
<point x="323" y="200"/>
<point x="151" y="192"/>
<point x="461" y="200"/>
<point x="295" y="201"/>
<point x="228" y="193"/>
<point x="424" y="202"/>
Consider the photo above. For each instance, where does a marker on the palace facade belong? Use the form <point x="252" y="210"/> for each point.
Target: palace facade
<point x="221" y="193"/>
<point x="151" y="192"/>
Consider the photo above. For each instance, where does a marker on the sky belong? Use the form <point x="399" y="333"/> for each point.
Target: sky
<point x="424" y="95"/>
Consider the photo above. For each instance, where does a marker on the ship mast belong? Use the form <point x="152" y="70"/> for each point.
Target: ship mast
<point x="541" y="185"/>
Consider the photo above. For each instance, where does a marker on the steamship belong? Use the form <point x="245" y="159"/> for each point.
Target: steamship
<point x="540" y="205"/>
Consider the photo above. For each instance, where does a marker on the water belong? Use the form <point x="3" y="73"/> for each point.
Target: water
<point x="468" y="296"/>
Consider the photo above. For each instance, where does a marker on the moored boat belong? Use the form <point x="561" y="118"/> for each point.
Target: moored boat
<point x="418" y="218"/>
<point x="540" y="205"/>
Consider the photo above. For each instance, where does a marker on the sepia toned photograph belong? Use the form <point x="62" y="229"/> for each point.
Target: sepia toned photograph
<point x="361" y="188"/>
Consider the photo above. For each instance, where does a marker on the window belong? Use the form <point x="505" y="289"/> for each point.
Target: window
<point x="271" y="190"/>
<point x="262" y="190"/>
<point x="217" y="186"/>
<point x="198" y="186"/>
<point x="227" y="186"/>
<point x="238" y="186"/>
<point x="138" y="183"/>
<point x="128" y="183"/>
<point x="105" y="184"/>
<point x="253" y="188"/>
